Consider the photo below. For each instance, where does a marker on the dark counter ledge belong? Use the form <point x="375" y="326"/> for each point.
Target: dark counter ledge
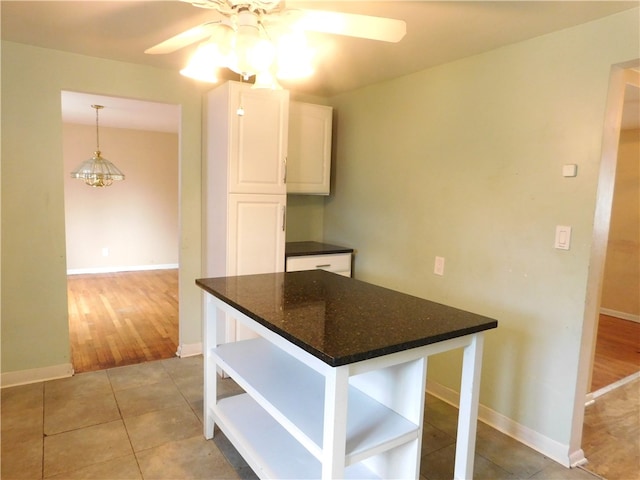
<point x="341" y="320"/>
<point x="298" y="249"/>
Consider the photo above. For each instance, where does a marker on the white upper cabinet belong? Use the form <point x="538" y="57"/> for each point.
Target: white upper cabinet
<point x="309" y="157"/>
<point x="257" y="139"/>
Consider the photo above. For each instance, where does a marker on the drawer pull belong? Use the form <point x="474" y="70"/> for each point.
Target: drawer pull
<point x="323" y="266"/>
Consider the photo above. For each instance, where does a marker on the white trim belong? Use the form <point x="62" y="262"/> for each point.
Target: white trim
<point x="624" y="316"/>
<point x="556" y="451"/>
<point x="189" y="350"/>
<point x="591" y="397"/>
<point x="115" y="269"/>
<point x="34" y="375"/>
<point x="577" y="459"/>
<point x="600" y="235"/>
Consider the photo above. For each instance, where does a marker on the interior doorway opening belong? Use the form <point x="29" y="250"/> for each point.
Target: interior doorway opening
<point x="606" y="452"/>
<point x="617" y="351"/>
<point x="122" y="240"/>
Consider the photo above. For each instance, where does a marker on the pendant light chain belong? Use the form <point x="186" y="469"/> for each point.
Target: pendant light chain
<point x="97" y="107"/>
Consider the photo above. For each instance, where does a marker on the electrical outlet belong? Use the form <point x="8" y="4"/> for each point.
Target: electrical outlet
<point x="438" y="267"/>
<point x="105" y="251"/>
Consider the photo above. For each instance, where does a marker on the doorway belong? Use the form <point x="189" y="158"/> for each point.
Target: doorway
<point x="617" y="352"/>
<point x="582" y="442"/>
<point x="122" y="240"/>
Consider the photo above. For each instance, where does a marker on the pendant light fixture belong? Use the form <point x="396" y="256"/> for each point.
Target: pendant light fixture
<point x="97" y="171"/>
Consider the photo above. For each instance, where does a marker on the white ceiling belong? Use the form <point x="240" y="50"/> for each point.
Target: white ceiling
<point x="120" y="112"/>
<point x="437" y="32"/>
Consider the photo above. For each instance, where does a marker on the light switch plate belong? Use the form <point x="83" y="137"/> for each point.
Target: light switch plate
<point x="563" y="237"/>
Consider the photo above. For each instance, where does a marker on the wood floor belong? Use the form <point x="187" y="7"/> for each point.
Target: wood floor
<point x="122" y="318"/>
<point x="617" y="351"/>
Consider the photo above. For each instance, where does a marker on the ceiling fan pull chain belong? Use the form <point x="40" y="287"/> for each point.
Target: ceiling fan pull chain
<point x="240" y="110"/>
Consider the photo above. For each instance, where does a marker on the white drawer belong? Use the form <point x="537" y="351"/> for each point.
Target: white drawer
<point x="336" y="262"/>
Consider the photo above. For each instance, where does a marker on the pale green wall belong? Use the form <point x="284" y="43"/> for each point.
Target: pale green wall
<point x="304" y="217"/>
<point x="34" y="299"/>
<point x="464" y="161"/>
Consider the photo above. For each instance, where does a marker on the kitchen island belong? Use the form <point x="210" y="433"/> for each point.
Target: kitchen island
<point x="335" y="385"/>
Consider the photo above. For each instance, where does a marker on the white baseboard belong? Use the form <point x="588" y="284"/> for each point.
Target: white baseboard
<point x="622" y="315"/>
<point x="24" y="377"/>
<point x="189" y="350"/>
<point x="577" y="459"/>
<point x="591" y="397"/>
<point x="116" y="269"/>
<point x="554" y="450"/>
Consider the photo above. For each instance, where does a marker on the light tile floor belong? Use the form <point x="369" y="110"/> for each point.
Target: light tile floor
<point x="145" y="422"/>
<point x="611" y="436"/>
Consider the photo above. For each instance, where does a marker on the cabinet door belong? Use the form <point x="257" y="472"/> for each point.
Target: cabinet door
<point x="256" y="234"/>
<point x="258" y="140"/>
<point x="256" y="241"/>
<point x="309" y="157"/>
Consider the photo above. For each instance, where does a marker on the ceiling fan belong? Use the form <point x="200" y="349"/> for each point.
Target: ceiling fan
<point x="253" y="37"/>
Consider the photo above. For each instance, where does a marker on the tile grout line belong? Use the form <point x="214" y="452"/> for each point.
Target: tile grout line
<point x="179" y="389"/>
<point x="124" y="424"/>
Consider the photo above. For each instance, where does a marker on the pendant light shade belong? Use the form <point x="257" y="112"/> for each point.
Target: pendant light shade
<point x="97" y="171"/>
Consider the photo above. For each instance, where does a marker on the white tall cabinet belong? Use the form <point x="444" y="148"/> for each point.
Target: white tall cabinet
<point x="244" y="187"/>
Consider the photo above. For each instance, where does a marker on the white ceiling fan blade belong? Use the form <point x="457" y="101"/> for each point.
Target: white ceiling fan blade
<point x="362" y="26"/>
<point x="181" y="40"/>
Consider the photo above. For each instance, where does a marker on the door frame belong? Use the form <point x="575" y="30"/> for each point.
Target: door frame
<point x="621" y="75"/>
<point x="135" y="104"/>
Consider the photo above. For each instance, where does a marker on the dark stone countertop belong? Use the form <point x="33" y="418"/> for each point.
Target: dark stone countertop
<point x="297" y="249"/>
<point x="341" y="320"/>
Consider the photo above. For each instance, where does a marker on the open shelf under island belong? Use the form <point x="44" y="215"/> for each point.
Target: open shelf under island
<point x="335" y="383"/>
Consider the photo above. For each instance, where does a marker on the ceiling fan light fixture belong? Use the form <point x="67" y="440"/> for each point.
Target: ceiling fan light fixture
<point x="223" y="35"/>
<point x="204" y="63"/>
<point x="294" y="57"/>
<point x="248" y="29"/>
<point x="262" y="56"/>
<point x="266" y="80"/>
<point x="247" y="39"/>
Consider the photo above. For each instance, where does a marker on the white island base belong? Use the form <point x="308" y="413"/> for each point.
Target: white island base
<point x="302" y="418"/>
